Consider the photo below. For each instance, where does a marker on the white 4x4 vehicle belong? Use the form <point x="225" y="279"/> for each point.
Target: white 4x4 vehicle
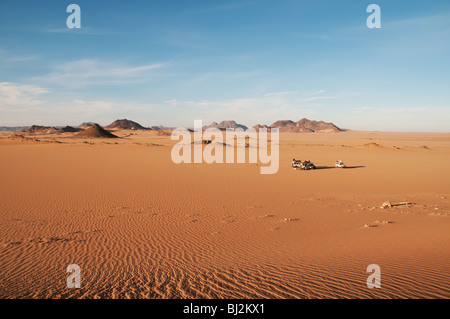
<point x="339" y="164"/>
<point x="296" y="164"/>
<point x="306" y="165"/>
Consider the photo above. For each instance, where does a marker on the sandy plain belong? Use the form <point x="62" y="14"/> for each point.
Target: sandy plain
<point x="140" y="226"/>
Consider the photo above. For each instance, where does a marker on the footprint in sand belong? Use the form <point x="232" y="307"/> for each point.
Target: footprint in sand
<point x="383" y="222"/>
<point x="440" y="214"/>
<point x="378" y="223"/>
<point x="254" y="206"/>
<point x="228" y="219"/>
<point x="266" y="216"/>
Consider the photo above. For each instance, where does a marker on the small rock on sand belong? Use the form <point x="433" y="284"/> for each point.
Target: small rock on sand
<point x="386" y="205"/>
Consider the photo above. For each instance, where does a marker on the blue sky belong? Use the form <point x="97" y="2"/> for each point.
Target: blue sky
<point x="171" y="62"/>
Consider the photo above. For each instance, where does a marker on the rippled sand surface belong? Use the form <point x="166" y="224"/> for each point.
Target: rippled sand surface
<point x="140" y="226"/>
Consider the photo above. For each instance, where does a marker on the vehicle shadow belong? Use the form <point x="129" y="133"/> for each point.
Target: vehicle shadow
<point x="329" y="167"/>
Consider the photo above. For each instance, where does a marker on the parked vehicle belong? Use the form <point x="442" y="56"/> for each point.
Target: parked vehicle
<point x="296" y="164"/>
<point x="340" y="164"/>
<point x="306" y="165"/>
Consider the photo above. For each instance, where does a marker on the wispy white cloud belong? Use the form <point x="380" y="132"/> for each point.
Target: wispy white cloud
<point x="399" y="118"/>
<point x="7" y="58"/>
<point x="28" y="104"/>
<point x="406" y="36"/>
<point x="85" y="72"/>
<point x="264" y="109"/>
<point x="310" y="97"/>
<point x="318" y="98"/>
<point x="100" y="108"/>
<point x="317" y="92"/>
<point x="220" y="7"/>
<point x="317" y="36"/>
<point x="22" y="58"/>
<point x="281" y="93"/>
<point x="430" y="21"/>
<point x="13" y="96"/>
<point x="82" y="31"/>
<point x="361" y="109"/>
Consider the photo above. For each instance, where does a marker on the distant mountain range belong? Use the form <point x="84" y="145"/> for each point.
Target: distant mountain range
<point x="37" y="129"/>
<point x="12" y="128"/>
<point x="226" y="124"/>
<point x="303" y="125"/>
<point x="130" y="125"/>
<point x="116" y="125"/>
<point x="125" y="125"/>
<point x="86" y="124"/>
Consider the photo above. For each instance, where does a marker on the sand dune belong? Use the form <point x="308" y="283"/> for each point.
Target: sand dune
<point x="140" y="226"/>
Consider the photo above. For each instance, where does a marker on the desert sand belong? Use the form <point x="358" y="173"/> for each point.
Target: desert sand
<point x="140" y="226"/>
